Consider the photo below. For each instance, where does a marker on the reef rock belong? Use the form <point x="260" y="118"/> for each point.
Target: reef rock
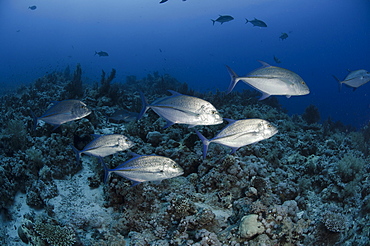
<point x="250" y="226"/>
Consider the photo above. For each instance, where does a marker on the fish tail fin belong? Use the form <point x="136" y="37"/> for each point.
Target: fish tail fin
<point x="213" y="22"/>
<point x="145" y="106"/>
<point x="34" y="120"/>
<point x="234" y="79"/>
<point x="106" y="170"/>
<point x="246" y="20"/>
<point x="95" y="53"/>
<point x="339" y="82"/>
<point x="205" y="142"/>
<point x="77" y="152"/>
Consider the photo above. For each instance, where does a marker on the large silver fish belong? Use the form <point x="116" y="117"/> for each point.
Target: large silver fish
<point x="143" y="168"/>
<point x="183" y="109"/>
<point x="62" y="112"/>
<point x="104" y="145"/>
<point x="239" y="133"/>
<point x="355" y="79"/>
<point x="271" y="80"/>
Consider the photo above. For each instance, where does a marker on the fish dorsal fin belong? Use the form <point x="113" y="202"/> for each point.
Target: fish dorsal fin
<point x="174" y="93"/>
<point x="264" y="64"/>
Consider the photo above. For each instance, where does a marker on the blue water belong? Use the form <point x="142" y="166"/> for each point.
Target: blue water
<point x="177" y="37"/>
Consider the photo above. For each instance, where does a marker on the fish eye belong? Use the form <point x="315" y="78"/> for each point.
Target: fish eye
<point x="303" y="83"/>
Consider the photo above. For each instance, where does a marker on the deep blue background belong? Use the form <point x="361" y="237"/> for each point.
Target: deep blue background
<point x="325" y="37"/>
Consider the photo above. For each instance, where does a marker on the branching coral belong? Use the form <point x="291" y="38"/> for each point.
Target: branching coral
<point x="74" y="87"/>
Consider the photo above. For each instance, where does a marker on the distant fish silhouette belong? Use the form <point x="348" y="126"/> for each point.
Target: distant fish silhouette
<point x="256" y="22"/>
<point x="101" y="53"/>
<point x="32" y="7"/>
<point x="223" y="18"/>
<point x="277" y="60"/>
<point x="283" y="36"/>
<point x="163" y="1"/>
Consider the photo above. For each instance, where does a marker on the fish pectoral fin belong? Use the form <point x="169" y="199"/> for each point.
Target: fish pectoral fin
<point x="264" y="96"/>
<point x="134" y="183"/>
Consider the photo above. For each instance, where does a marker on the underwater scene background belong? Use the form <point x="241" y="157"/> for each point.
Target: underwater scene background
<point x="306" y="185"/>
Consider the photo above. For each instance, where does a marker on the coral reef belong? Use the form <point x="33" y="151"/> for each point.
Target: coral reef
<point x="307" y="185"/>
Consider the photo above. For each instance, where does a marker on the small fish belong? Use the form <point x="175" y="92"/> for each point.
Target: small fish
<point x="283" y="36"/>
<point x="143" y="168"/>
<point x="239" y="133"/>
<point x="32" y="7"/>
<point x="277" y="60"/>
<point x="256" y="22"/>
<point x="104" y="145"/>
<point x="355" y="79"/>
<point x="62" y="112"/>
<point x="163" y="1"/>
<point x="123" y="115"/>
<point x="101" y="53"/>
<point x="271" y="80"/>
<point x="183" y="109"/>
<point x="223" y="18"/>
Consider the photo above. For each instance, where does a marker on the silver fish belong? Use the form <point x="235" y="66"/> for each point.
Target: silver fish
<point x="183" y="109"/>
<point x="355" y="79"/>
<point x="104" y="145"/>
<point x="240" y="133"/>
<point x="271" y="80"/>
<point x="256" y="22"/>
<point x="223" y="18"/>
<point x="143" y="168"/>
<point x="62" y="112"/>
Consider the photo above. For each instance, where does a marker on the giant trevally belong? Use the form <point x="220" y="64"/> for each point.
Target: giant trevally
<point x="271" y="80"/>
<point x="223" y="18"/>
<point x="355" y="79"/>
<point x="104" y="145"/>
<point x="62" y="112"/>
<point x="256" y="22"/>
<point x="183" y="109"/>
<point x="239" y="133"/>
<point x="143" y="168"/>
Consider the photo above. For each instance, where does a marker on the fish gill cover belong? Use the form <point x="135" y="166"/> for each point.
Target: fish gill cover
<point x="308" y="184"/>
